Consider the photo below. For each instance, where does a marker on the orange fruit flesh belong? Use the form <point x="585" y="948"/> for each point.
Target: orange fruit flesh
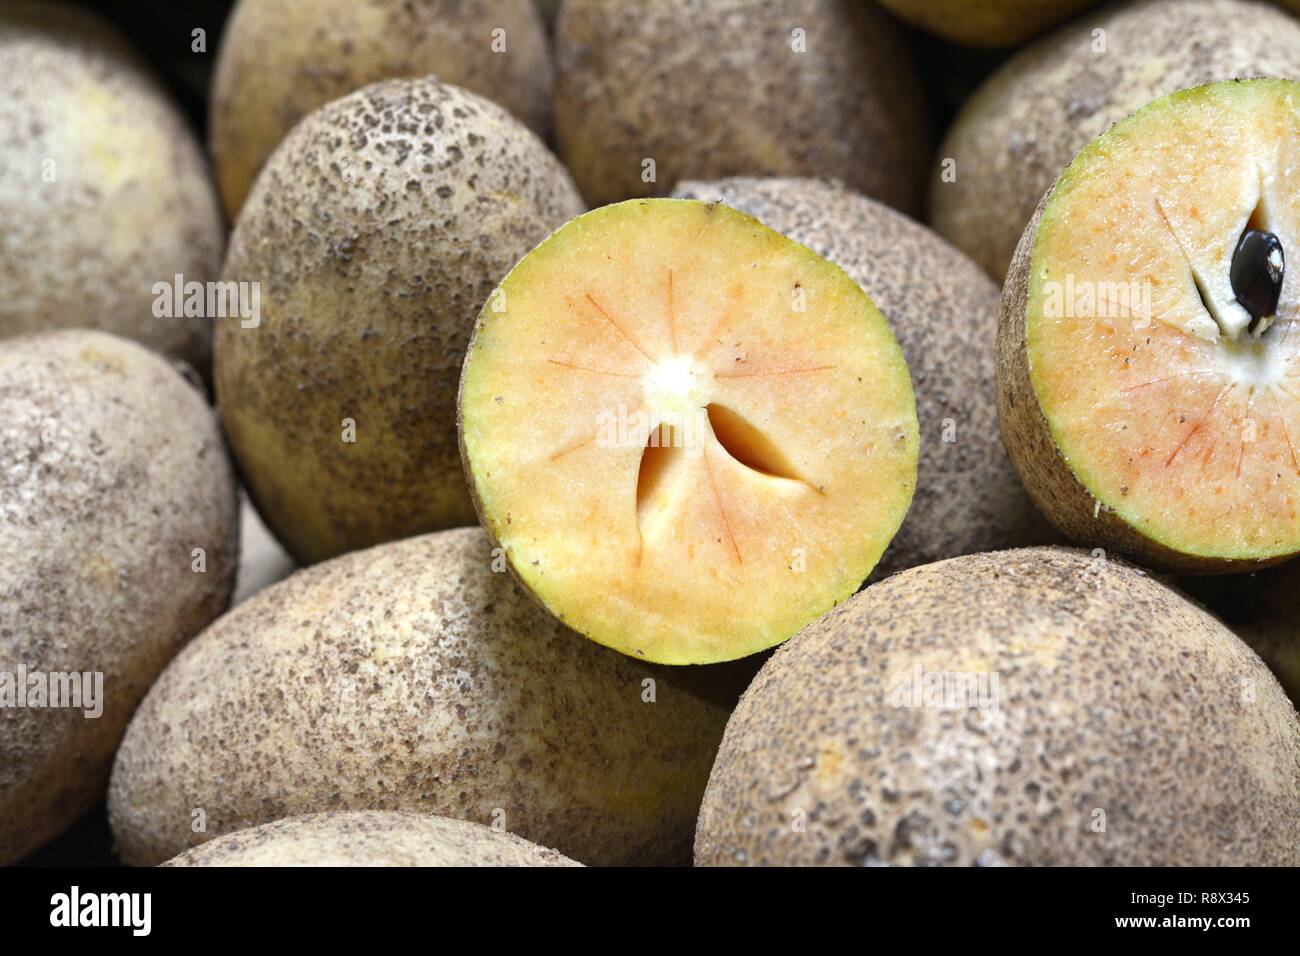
<point x="690" y="435"/>
<point x="1168" y="409"/>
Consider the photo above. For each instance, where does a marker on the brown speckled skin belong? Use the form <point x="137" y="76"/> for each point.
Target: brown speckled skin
<point x="131" y="202"/>
<point x="414" y="677"/>
<point x="1024" y="125"/>
<point x="988" y="23"/>
<point x="370" y="838"/>
<point x="1044" y="471"/>
<point x="281" y="59"/>
<point x="1264" y="611"/>
<point x="711" y="88"/>
<point x="1114" y="694"/>
<point x="369" y="291"/>
<point x="944" y="311"/>
<point x="112" y="471"/>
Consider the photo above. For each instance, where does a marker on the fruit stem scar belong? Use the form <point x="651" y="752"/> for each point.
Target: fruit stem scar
<point x="622" y="331"/>
<point x="722" y="511"/>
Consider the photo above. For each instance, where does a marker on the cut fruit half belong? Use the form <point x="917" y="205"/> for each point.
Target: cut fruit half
<point x="690" y="435"/>
<point x="1149" y="366"/>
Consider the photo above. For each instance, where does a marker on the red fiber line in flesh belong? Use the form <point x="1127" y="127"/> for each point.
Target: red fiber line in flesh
<point x="572" y="448"/>
<point x="622" y="331"/>
<point x="726" y="523"/>
<point x="779" y="371"/>
<point x="672" y="314"/>
<point x="587" y="368"/>
<point x="711" y="340"/>
<point x="1160" y="381"/>
<point x="1241" y="422"/>
<point x="1197" y="427"/>
<point x="1286" y="432"/>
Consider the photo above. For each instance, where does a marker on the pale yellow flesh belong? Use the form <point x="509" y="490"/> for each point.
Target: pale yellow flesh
<point x="778" y="382"/>
<point x="1187" y="432"/>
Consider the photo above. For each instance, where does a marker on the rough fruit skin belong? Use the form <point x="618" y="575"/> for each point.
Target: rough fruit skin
<point x="986" y="23"/>
<point x="376" y="232"/>
<point x="103" y="187"/>
<point x="1024" y="125"/>
<point x="1114" y="694"/>
<point x="716" y="89"/>
<point x="944" y="310"/>
<point x="112" y="472"/>
<point x="281" y="59"/>
<point x="369" y="838"/>
<point x="414" y="676"/>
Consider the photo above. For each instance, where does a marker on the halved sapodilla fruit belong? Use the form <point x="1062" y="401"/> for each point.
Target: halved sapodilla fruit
<point x="1148" y="356"/>
<point x="690" y="435"/>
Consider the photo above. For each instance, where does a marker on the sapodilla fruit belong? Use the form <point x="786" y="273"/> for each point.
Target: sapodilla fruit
<point x="374" y="233"/>
<point x="1041" y="706"/>
<point x="689" y="434"/>
<point x="989" y="23"/>
<point x="1022" y="127"/>
<point x="1147" y="356"/>
<point x="104" y="194"/>
<point x="649" y="94"/>
<point x="418" y="676"/>
<point x="369" y="838"/>
<point x="944" y="311"/>
<point x="282" y="59"/>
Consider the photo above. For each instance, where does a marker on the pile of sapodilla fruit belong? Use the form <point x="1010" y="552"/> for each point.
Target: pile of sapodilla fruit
<point x="597" y="348"/>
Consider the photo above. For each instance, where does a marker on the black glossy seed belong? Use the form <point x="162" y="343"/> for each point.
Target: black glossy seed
<point x="1256" y="274"/>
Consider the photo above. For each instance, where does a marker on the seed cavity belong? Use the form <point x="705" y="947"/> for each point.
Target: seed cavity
<point x="748" y="445"/>
<point x="1219" y="307"/>
<point x="657" y="459"/>
<point x="662" y="462"/>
